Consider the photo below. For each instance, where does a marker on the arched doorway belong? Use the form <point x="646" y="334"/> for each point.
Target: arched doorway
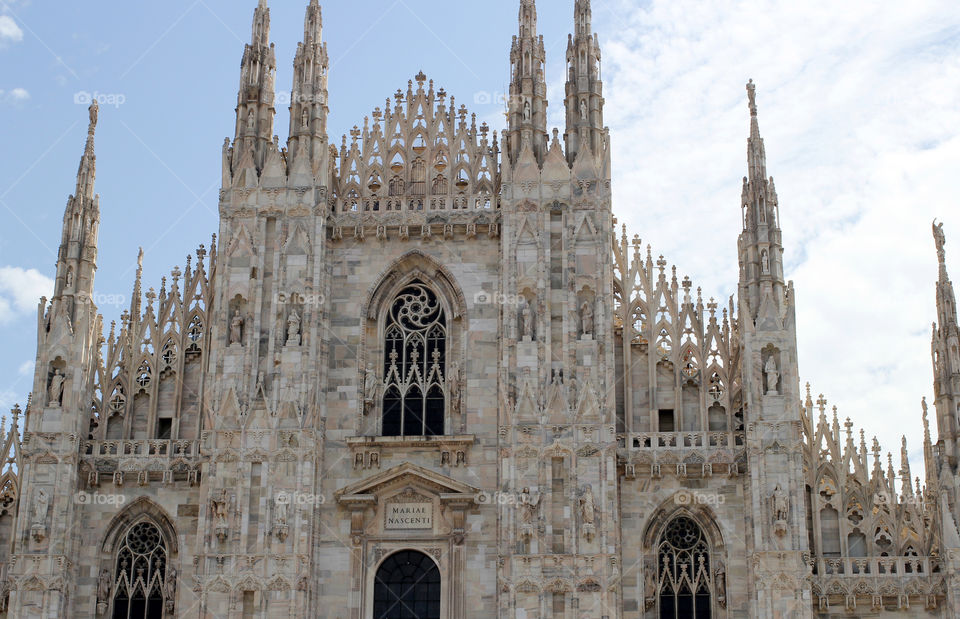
<point x="407" y="586"/>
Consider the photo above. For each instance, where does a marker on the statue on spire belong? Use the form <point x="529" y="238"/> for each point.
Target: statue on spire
<point x="752" y="94"/>
<point x="940" y="239"/>
<point x="94" y="115"/>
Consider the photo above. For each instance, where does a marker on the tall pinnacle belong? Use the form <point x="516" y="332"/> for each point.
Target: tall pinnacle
<point x="527" y="104"/>
<point x="584" y="89"/>
<point x="756" y="152"/>
<point x="86" y="175"/>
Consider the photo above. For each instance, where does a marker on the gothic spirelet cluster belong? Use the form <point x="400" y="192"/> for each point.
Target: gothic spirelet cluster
<point x="423" y="373"/>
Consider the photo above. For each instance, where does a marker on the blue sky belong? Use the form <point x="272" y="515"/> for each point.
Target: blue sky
<point x="859" y="105"/>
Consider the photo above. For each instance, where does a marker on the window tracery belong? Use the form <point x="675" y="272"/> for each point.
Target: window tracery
<point x="415" y="353"/>
<point x="141" y="568"/>
<point x="685" y="588"/>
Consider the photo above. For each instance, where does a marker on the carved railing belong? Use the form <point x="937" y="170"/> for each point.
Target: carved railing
<point x="681" y="440"/>
<point x="875" y="566"/>
<point x="142" y="448"/>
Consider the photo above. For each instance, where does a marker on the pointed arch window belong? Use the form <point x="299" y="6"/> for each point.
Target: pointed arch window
<point x="141" y="568"/>
<point x="685" y="588"/>
<point x="415" y="353"/>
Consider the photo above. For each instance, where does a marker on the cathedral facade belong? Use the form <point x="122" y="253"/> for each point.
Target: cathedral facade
<point x="420" y="372"/>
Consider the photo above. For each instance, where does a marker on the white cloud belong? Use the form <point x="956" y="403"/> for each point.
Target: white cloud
<point x="10" y="32"/>
<point x="860" y="113"/>
<point x="15" y="96"/>
<point x="20" y="291"/>
<point x="26" y="368"/>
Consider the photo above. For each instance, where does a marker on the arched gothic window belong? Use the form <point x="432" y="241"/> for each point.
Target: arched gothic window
<point x="684" y="571"/>
<point x="407" y="587"/>
<point x="415" y="354"/>
<point x="138" y="589"/>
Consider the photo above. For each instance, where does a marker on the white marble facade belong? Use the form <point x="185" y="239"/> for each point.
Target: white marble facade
<point x="421" y="372"/>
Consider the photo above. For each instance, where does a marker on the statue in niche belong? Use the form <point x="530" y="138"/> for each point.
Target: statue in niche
<point x="586" y="317"/>
<point x="583" y="110"/>
<point x="56" y="389"/>
<point x="527" y="111"/>
<point x="781" y="510"/>
<point x="280" y="509"/>
<point x="720" y="582"/>
<point x="41" y="505"/>
<point x="236" y="328"/>
<point x="773" y="375"/>
<point x="293" y="329"/>
<point x="765" y="262"/>
<point x="526" y="320"/>
<point x="251" y="121"/>
<point x="528" y="504"/>
<point x="219" y="505"/>
<point x="305" y="119"/>
<point x="170" y="587"/>
<point x="104" y="586"/>
<point x="371" y="387"/>
<point x="650" y="583"/>
<point x="70" y="278"/>
<point x="588" y="506"/>
<point x="455" y="387"/>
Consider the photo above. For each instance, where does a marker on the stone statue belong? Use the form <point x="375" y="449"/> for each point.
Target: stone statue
<point x="526" y="320"/>
<point x="773" y="375"/>
<point x="70" y="278"/>
<point x="170" y="585"/>
<point x="765" y="262"/>
<point x="94" y="113"/>
<point x="305" y="119"/>
<point x="528" y="505"/>
<point x="587" y="506"/>
<point x="251" y="121"/>
<point x="940" y="239"/>
<point x="586" y="317"/>
<point x="104" y="586"/>
<point x="781" y="505"/>
<point x="236" y="328"/>
<point x="280" y="509"/>
<point x="720" y="582"/>
<point x="219" y="505"/>
<point x="56" y="389"/>
<point x="527" y="112"/>
<point x="455" y="386"/>
<point x="293" y="329"/>
<point x="371" y="385"/>
<point x="583" y="110"/>
<point x="41" y="505"/>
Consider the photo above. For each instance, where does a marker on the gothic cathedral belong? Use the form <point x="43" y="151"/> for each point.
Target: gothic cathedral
<point x="421" y="372"/>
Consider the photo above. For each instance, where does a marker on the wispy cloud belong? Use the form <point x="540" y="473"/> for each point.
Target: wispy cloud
<point x="860" y="109"/>
<point x="20" y="291"/>
<point x="17" y="95"/>
<point x="10" y="32"/>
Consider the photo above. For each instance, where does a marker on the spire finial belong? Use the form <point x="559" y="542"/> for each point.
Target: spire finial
<point x="94" y="116"/>
<point x="940" y="239"/>
<point x="752" y="95"/>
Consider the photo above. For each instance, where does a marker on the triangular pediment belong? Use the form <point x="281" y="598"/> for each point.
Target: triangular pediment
<point x="405" y="475"/>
